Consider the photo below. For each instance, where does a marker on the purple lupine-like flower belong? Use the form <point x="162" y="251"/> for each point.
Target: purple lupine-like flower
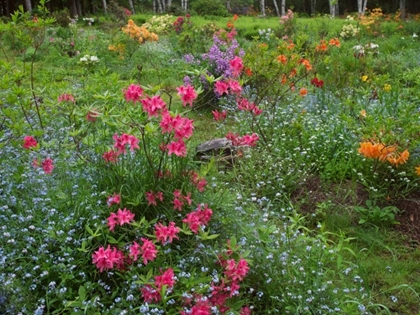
<point x="187" y="80"/>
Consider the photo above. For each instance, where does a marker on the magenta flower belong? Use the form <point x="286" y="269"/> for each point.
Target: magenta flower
<point x="66" y="97"/>
<point x="166" y="278"/>
<point x="178" y="148"/>
<point x="29" y="142"/>
<point x="107" y="258"/>
<point x="115" y="199"/>
<point x="187" y="94"/>
<point x="47" y="166"/>
<point x="149" y="251"/>
<point x="153" y="105"/>
<point x="221" y="87"/>
<point x="133" y="93"/>
<point x="236" y="66"/>
<point x="164" y="233"/>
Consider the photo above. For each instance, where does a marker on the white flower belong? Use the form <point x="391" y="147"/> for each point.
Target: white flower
<point x="94" y="59"/>
<point x="83" y="59"/>
<point x="415" y="35"/>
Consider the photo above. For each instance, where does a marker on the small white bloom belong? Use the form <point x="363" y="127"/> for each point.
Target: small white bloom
<point x="415" y="35"/>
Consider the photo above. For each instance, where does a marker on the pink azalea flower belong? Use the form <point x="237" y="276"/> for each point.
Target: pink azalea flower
<point x="92" y="115"/>
<point x="135" y="251"/>
<point x="164" y="233"/>
<point x="29" y="142"/>
<point x="133" y="93"/>
<point x="153" y="105"/>
<point x="187" y="94"/>
<point x="250" y="140"/>
<point x="149" y="251"/>
<point x="221" y="87"/>
<point x="177" y="204"/>
<point x="236" y="66"/>
<point x="107" y="258"/>
<point x="149" y="294"/>
<point x="47" y="166"/>
<point x="112" y="221"/>
<point x="115" y="199"/>
<point x="236" y="272"/>
<point x="66" y="97"/>
<point x="235" y="87"/>
<point x="219" y="116"/>
<point x="245" y="311"/>
<point x="178" y="148"/>
<point x="125" y="216"/>
<point x="110" y="156"/>
<point x="193" y="221"/>
<point x="166" y="278"/>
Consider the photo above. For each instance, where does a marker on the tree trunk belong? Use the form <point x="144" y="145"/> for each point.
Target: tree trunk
<point x="130" y="3"/>
<point x="28" y="5"/>
<point x="283" y="7"/>
<point x="104" y="6"/>
<point x="361" y="7"/>
<point x="228" y="7"/>
<point x="333" y="8"/>
<point x="79" y="11"/>
<point x="160" y="9"/>
<point x="403" y="10"/>
<point x="82" y="7"/>
<point x="169" y="4"/>
<point x="313" y="7"/>
<point x="262" y="7"/>
<point x="73" y="8"/>
<point x="276" y="7"/>
<point x="154" y="6"/>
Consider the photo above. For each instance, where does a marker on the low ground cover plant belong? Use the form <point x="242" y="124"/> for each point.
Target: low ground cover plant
<point x="105" y="208"/>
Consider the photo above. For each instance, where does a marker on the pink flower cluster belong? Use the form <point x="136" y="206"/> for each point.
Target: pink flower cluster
<point x="108" y="258"/>
<point x="147" y="251"/>
<point x="47" y="164"/>
<point x="219" y="116"/>
<point x="223" y="87"/>
<point x="179" y="199"/>
<point x="120" y="143"/>
<point x="249" y="140"/>
<point x="114" y="199"/>
<point x="133" y="93"/>
<point x="29" y="142"/>
<point x="181" y="127"/>
<point x="245" y="105"/>
<point x="187" y="94"/>
<point x="153" y="197"/>
<point x="152" y="293"/>
<point x="66" y="97"/>
<point x="166" y="233"/>
<point x="120" y="218"/>
<point x="198" y="218"/>
<point x="236" y="66"/>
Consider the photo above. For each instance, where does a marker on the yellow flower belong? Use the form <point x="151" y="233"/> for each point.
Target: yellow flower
<point x="364" y="78"/>
<point x="387" y="87"/>
<point x="363" y="113"/>
<point x="418" y="170"/>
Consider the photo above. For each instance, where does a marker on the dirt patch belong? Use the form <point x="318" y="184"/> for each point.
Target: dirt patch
<point x="314" y="191"/>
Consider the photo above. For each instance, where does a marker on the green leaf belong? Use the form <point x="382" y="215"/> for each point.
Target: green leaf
<point x="82" y="293"/>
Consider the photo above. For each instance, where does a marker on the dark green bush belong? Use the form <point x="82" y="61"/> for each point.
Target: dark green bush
<point x="205" y="7"/>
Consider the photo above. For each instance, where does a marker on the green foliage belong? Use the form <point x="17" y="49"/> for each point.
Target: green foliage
<point x="203" y="7"/>
<point x="374" y="214"/>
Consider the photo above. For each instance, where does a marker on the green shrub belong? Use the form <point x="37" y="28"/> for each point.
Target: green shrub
<point x="204" y="7"/>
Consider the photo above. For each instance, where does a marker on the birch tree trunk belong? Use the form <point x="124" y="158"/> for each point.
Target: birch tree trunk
<point x="130" y="3"/>
<point x="361" y="6"/>
<point x="262" y="7"/>
<point x="283" y="7"/>
<point x="169" y="4"/>
<point x="154" y="6"/>
<point x="333" y="8"/>
<point x="403" y="9"/>
<point x="105" y="7"/>
<point x="276" y="7"/>
<point x="163" y="6"/>
<point x="28" y="5"/>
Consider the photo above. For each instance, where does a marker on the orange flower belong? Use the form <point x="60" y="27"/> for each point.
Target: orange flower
<point x="248" y="72"/>
<point x="375" y="150"/>
<point x="282" y="59"/>
<point x="283" y="79"/>
<point x="418" y="170"/>
<point x="292" y="73"/>
<point x="230" y="25"/>
<point x="303" y="91"/>
<point x="290" y="46"/>
<point x="399" y="159"/>
<point x="363" y="113"/>
<point x="334" y="42"/>
<point x="306" y="63"/>
<point x="322" y="46"/>
<point x="235" y="17"/>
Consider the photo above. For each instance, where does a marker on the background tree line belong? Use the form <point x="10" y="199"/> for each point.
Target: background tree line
<point x="262" y="7"/>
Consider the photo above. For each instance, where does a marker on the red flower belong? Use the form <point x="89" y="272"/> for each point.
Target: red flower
<point x="66" y="97"/>
<point x="29" y="142"/>
<point x="166" y="278"/>
<point x="317" y="83"/>
<point x="47" y="166"/>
